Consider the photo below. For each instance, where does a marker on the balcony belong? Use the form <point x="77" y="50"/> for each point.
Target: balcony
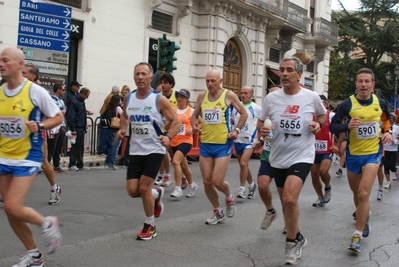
<point x="326" y="31"/>
<point x="291" y="17"/>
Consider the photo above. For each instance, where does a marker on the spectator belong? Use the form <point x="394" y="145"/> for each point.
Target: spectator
<point x="114" y="110"/>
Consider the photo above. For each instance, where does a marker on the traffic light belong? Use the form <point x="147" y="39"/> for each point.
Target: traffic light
<point x="162" y="53"/>
<point x="171" y="57"/>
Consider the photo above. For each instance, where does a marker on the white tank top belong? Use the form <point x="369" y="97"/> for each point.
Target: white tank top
<point x="146" y="124"/>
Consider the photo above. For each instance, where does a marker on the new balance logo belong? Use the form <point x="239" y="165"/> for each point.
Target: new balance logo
<point x="291" y="109"/>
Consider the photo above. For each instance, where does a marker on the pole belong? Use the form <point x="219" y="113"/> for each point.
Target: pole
<point x="396" y="91"/>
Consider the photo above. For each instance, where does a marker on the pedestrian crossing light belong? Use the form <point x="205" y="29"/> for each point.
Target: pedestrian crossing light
<point x="173" y="47"/>
<point x="162" y="53"/>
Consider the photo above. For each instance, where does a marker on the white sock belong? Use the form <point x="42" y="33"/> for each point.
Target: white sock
<point x="251" y="186"/>
<point x="219" y="209"/>
<point x="150" y="220"/>
<point x="54" y="187"/>
<point x="177" y="187"/>
<point x="34" y="252"/>
<point x="380" y="187"/>
<point x="357" y="232"/>
<point x="46" y="223"/>
<point x="155" y="193"/>
<point x="242" y="188"/>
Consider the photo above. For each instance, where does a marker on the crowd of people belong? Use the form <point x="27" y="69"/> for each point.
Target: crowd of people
<point x="294" y="126"/>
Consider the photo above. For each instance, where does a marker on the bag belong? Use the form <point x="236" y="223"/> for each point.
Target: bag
<point x="115" y="122"/>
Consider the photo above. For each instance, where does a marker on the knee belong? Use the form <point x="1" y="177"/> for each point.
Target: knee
<point x="207" y="183"/>
<point x="289" y="202"/>
<point x="263" y="185"/>
<point x="362" y="195"/>
<point x="11" y="211"/>
<point x="243" y="164"/>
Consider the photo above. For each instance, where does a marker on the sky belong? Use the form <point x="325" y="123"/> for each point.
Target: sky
<point x="348" y="4"/>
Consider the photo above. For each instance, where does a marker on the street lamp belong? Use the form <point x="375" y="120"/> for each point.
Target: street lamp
<point x="388" y="77"/>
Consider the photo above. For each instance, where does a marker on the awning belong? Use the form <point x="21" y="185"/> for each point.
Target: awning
<point x="275" y="72"/>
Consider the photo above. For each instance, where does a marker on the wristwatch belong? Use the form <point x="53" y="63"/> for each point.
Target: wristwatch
<point x="238" y="130"/>
<point x="40" y="126"/>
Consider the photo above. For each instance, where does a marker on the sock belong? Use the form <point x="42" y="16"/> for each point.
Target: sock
<point x="242" y="188"/>
<point x="357" y="232"/>
<point x="167" y="174"/>
<point x="290" y="240"/>
<point x="272" y="211"/>
<point x="380" y="187"/>
<point x="54" y="187"/>
<point x="327" y="189"/>
<point x="230" y="197"/>
<point x="177" y="187"/>
<point x="183" y="176"/>
<point x="219" y="209"/>
<point x="34" y="252"/>
<point x="150" y="220"/>
<point x="155" y="193"/>
<point x="251" y="186"/>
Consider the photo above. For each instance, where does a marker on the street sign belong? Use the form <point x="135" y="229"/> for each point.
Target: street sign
<point x="44" y="26"/>
<point x="45" y="55"/>
<point x="49" y="68"/>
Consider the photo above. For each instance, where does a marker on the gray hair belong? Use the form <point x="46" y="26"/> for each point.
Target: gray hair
<point x="115" y="89"/>
<point x="367" y="71"/>
<point x="299" y="67"/>
<point x="146" y="64"/>
<point x="84" y="90"/>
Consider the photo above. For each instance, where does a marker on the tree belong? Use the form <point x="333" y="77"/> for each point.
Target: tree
<point x="366" y="37"/>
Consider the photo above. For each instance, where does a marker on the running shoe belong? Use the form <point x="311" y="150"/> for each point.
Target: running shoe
<point x="191" y="190"/>
<point x="327" y="195"/>
<point x="284" y="231"/>
<point x="60" y="170"/>
<point x="354" y="215"/>
<point x="379" y="194"/>
<point x="55" y="196"/>
<point x="267" y="220"/>
<point x="387" y="186"/>
<point x="241" y="193"/>
<point x="52" y="236"/>
<point x="73" y="168"/>
<point x="159" y="207"/>
<point x="396" y="178"/>
<point x="158" y="180"/>
<point x="177" y="192"/>
<point x="231" y="207"/>
<point x="84" y="168"/>
<point x="355" y="243"/>
<point x="319" y="202"/>
<point x="339" y="172"/>
<point x="184" y="183"/>
<point x="147" y="233"/>
<point x="366" y="229"/>
<point x="166" y="181"/>
<point x="251" y="191"/>
<point x="291" y="253"/>
<point x="301" y="244"/>
<point x="216" y="218"/>
<point x="30" y="261"/>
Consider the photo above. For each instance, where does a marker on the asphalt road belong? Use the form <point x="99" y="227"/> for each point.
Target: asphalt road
<point x="99" y="223"/>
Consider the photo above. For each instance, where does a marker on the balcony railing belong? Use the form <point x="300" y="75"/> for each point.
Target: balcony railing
<point x="278" y="7"/>
<point x="325" y="29"/>
<point x="297" y="16"/>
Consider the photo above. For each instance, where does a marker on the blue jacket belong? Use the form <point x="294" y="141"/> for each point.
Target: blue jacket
<point x="76" y="115"/>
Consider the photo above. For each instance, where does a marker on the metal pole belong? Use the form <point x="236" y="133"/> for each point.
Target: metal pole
<point x="396" y="91"/>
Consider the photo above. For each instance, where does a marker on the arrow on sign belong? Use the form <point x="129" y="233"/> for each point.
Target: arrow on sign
<point x="67" y="12"/>
<point x="65" y="46"/>
<point x="66" y="23"/>
<point x="66" y="35"/>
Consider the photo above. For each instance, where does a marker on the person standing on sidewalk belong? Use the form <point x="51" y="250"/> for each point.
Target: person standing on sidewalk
<point x="216" y="144"/>
<point x="23" y="106"/>
<point x="320" y="170"/>
<point x="291" y="111"/>
<point x="144" y="109"/>
<point x="31" y="72"/>
<point x="76" y="119"/>
<point x="246" y="137"/>
<point x="365" y="114"/>
<point x="56" y="136"/>
<point x="390" y="155"/>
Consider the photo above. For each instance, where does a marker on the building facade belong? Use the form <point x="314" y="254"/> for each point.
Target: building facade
<point x="243" y="39"/>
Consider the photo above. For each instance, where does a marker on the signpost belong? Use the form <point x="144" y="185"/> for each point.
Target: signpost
<point x="44" y="26"/>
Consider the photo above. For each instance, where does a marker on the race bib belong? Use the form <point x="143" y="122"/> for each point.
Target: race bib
<point x="267" y="146"/>
<point x="142" y="130"/>
<point x="367" y="130"/>
<point x="321" y="145"/>
<point x="290" y="126"/>
<point x="213" y="116"/>
<point x="182" y="130"/>
<point x="12" y="127"/>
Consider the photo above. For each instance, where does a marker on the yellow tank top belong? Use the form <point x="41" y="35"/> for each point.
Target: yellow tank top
<point x="172" y="99"/>
<point x="216" y="116"/>
<point x="365" y="140"/>
<point x="16" y="141"/>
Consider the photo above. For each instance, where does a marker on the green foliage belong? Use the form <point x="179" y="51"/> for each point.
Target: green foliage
<point x="365" y="35"/>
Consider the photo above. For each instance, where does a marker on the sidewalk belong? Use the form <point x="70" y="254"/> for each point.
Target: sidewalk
<point x="89" y="160"/>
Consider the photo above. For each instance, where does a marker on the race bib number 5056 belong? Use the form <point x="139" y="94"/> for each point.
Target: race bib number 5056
<point x="12" y="127"/>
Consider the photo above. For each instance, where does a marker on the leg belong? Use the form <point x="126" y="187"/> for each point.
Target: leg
<point x="47" y="169"/>
<point x="177" y="160"/>
<point x="80" y="150"/>
<point x="314" y="171"/>
<point x="59" y="145"/>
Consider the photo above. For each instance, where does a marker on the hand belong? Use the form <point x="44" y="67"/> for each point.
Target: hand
<point x="195" y="129"/>
<point x="315" y="127"/>
<point x="354" y="123"/>
<point x="264" y="132"/>
<point x="164" y="140"/>
<point x="73" y="133"/>
<point x="233" y="135"/>
<point x="32" y="126"/>
<point x="335" y="149"/>
<point x="386" y="138"/>
<point x="120" y="134"/>
<point x="256" y="145"/>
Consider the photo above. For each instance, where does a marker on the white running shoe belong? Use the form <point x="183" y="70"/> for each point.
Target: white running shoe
<point x="268" y="219"/>
<point x="52" y="236"/>
<point x="177" y="192"/>
<point x="29" y="261"/>
<point x="166" y="181"/>
<point x="231" y="207"/>
<point x="55" y="196"/>
<point x="191" y="190"/>
<point x="216" y="218"/>
<point x="241" y="193"/>
<point x="319" y="202"/>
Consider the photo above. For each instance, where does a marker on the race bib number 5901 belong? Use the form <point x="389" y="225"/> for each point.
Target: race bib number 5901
<point x="367" y="130"/>
<point x="12" y="127"/>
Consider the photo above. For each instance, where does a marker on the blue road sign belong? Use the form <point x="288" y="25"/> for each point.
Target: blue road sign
<point x="44" y="26"/>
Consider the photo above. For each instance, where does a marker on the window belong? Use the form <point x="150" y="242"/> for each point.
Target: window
<point x="274" y="55"/>
<point x="72" y="3"/>
<point x="310" y="66"/>
<point x="162" y="22"/>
